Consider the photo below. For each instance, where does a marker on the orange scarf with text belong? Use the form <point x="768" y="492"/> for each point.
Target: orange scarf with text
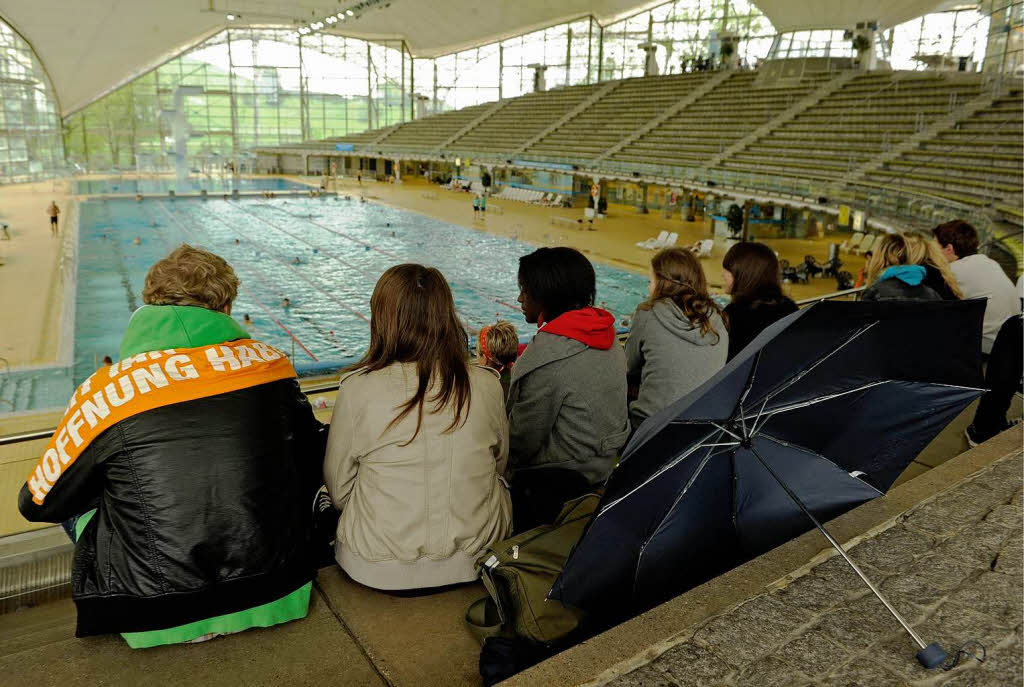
<point x="151" y="380"/>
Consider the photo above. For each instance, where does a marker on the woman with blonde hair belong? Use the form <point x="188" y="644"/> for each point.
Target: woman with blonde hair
<point x="938" y="276"/>
<point x="418" y="444"/>
<point x="893" y="276"/>
<point x="677" y="339"/>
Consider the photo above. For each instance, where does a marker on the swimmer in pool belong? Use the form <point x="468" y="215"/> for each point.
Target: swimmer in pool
<point x="297" y="261"/>
<point x="137" y="241"/>
<point x="286" y="302"/>
<point x="237" y="242"/>
<point x="246" y="321"/>
<point x="138" y="197"/>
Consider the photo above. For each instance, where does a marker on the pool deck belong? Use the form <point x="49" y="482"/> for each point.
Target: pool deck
<point x="32" y="293"/>
<point x="613" y="242"/>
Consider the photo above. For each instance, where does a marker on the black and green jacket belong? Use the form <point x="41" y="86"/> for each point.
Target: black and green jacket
<point x="202" y="508"/>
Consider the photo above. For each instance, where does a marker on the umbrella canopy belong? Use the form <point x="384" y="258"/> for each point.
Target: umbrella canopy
<point x="819" y="414"/>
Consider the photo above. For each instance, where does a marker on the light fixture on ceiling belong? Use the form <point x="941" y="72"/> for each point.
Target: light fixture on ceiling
<point x="341" y="16"/>
<point x="231" y="17"/>
<point x="350" y="13"/>
<point x="331" y="19"/>
<point x="317" y="25"/>
<point x="304" y="30"/>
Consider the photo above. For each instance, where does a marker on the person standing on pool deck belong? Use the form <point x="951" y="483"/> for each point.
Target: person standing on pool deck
<point x="53" y="211"/>
<point x="184" y="473"/>
<point x="476" y="207"/>
<point x="567" y="396"/>
<point x="483" y="206"/>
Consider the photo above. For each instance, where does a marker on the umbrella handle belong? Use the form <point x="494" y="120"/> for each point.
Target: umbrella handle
<point x="930" y="655"/>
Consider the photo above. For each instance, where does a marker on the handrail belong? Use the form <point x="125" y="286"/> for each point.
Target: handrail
<point x="829" y="296"/>
<point x="326" y="387"/>
<point x="34" y="435"/>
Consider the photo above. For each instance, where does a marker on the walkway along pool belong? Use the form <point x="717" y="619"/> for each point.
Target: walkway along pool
<point x="324" y="254"/>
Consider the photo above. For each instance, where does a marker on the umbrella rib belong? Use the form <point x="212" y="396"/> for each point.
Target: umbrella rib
<point x="842" y="552"/>
<point x="689" y="483"/>
<point x="746" y="391"/>
<point x="813" y="401"/>
<point x="682" y="456"/>
<point x="808" y="451"/>
<point x="796" y="378"/>
<point x="732" y="434"/>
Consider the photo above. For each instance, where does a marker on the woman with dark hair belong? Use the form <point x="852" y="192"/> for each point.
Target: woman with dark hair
<point x="677" y="339"/>
<point x="567" y="398"/>
<point x="418" y="444"/>
<point x="750" y="274"/>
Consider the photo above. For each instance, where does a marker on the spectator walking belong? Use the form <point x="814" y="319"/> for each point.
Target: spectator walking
<point x="567" y="398"/>
<point x="418" y="444"/>
<point x="978" y="276"/>
<point x="892" y="276"/>
<point x="677" y="339"/>
<point x="752" y="277"/>
<point x="53" y="211"/>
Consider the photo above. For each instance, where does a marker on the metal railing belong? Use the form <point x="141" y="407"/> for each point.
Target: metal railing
<point x="327" y="387"/>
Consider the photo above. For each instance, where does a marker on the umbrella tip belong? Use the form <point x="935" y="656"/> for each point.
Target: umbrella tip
<point x="932" y="656"/>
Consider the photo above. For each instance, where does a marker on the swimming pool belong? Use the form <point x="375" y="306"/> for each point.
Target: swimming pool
<point x="193" y="185"/>
<point x="342" y="247"/>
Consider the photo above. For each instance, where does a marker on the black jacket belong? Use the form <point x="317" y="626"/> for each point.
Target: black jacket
<point x="897" y="290"/>
<point x="747" y="319"/>
<point x="934" y="281"/>
<point x="203" y="509"/>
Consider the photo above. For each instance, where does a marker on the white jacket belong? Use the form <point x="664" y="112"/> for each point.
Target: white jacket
<point x="419" y="515"/>
<point x="979" y="276"/>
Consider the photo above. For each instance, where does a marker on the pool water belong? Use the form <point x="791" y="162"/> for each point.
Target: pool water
<point x="192" y="185"/>
<point x="341" y="247"/>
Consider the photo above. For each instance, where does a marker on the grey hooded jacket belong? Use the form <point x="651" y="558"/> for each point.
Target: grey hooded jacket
<point x="670" y="356"/>
<point x="567" y="407"/>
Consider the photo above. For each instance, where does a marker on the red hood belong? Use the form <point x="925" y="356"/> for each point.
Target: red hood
<point x="591" y="326"/>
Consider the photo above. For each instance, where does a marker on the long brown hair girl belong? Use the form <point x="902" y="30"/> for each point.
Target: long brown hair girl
<point x="676" y="274"/>
<point x="413" y="320"/>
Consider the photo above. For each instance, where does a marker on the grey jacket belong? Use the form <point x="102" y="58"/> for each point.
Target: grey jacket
<point x="670" y="357"/>
<point x="567" y="407"/>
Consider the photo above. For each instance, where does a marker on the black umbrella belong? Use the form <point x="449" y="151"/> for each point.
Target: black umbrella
<point x="819" y="414"/>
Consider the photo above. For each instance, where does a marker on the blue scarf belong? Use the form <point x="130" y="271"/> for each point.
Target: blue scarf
<point x="911" y="275"/>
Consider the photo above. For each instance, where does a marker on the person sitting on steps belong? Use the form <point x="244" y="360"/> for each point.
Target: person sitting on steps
<point x="567" y="396"/>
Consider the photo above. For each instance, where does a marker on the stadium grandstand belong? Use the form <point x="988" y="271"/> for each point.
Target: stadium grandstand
<point x="238" y="236"/>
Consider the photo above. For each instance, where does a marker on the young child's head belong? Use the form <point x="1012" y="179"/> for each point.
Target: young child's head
<point x="498" y="345"/>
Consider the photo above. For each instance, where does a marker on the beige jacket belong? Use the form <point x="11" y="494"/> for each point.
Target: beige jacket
<point x="419" y="515"/>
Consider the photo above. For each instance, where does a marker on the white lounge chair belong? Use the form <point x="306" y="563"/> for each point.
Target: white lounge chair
<point x="852" y="243"/>
<point x="704" y="248"/>
<point x="653" y="243"/>
<point x="671" y="241"/>
<point x="867" y="244"/>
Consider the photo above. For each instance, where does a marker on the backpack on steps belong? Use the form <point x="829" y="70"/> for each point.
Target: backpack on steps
<point x="518" y="573"/>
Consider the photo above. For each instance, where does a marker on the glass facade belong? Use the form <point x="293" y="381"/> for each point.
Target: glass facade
<point x="246" y="87"/>
<point x="940" y="40"/>
<point x="1005" y="40"/>
<point x="261" y="87"/>
<point x="30" y="133"/>
<point x="684" y="31"/>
